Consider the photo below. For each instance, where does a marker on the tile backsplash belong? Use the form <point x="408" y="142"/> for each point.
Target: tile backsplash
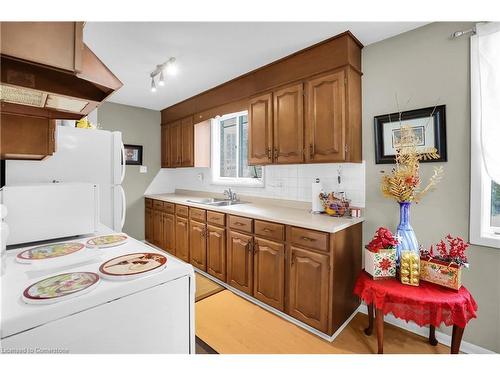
<point x="291" y="182"/>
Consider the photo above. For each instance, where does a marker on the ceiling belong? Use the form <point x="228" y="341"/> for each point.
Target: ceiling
<point x="208" y="53"/>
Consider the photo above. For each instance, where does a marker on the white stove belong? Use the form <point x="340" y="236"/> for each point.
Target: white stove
<point x="150" y="314"/>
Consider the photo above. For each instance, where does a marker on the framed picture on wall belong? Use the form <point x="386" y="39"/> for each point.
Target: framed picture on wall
<point x="133" y="154"/>
<point x="429" y="127"/>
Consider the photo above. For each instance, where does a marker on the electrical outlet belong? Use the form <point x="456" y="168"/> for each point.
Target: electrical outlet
<point x="143" y="169"/>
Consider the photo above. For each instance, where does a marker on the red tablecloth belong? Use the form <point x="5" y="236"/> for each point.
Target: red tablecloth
<point x="426" y="304"/>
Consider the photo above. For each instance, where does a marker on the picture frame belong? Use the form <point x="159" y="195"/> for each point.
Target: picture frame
<point x="133" y="154"/>
<point x="429" y="125"/>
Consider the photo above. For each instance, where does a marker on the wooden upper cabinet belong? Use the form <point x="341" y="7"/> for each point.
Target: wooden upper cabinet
<point x="325" y="122"/>
<point x="198" y="244"/>
<point x="26" y="138"/>
<point x="308" y="287"/>
<point x="182" y="238"/>
<point x="216" y="252"/>
<point x="269" y="272"/>
<point x="187" y="142"/>
<point x="175" y="144"/>
<point x="169" y="233"/>
<point x="55" y="44"/>
<point x="288" y="125"/>
<point x="260" y="130"/>
<point x="240" y="261"/>
<point x="165" y="146"/>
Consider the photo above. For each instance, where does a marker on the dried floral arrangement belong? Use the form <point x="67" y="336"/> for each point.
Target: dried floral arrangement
<point x="454" y="252"/>
<point x="403" y="183"/>
<point x="383" y="239"/>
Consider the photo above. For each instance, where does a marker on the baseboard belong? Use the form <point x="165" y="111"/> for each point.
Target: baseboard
<point x="443" y="338"/>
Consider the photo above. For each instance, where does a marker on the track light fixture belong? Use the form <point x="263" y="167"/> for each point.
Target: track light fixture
<point x="169" y="67"/>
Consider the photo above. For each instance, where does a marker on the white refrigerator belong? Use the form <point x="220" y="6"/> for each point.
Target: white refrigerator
<point x="82" y="156"/>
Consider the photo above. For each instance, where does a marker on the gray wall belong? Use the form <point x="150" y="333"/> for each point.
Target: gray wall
<point x="139" y="126"/>
<point x="425" y="65"/>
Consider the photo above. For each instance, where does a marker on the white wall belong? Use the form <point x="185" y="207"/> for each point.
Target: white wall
<point x="291" y="182"/>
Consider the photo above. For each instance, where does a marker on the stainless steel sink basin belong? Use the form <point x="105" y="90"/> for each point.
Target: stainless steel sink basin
<point x="215" y="202"/>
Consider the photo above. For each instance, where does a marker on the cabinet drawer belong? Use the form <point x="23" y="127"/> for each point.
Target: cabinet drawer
<point x="169" y="207"/>
<point x="197" y="214"/>
<point x="148" y="203"/>
<point x="243" y="224"/>
<point x="181" y="210"/>
<point x="216" y="218"/>
<point x="158" y="205"/>
<point x="309" y="238"/>
<point x="270" y="230"/>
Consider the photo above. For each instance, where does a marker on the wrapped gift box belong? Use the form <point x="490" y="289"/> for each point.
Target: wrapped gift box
<point x="381" y="265"/>
<point x="442" y="273"/>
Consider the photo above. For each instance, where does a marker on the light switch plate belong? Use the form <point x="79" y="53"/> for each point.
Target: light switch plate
<point x="143" y="169"/>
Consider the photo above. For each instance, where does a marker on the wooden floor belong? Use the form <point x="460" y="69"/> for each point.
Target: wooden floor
<point x="231" y="325"/>
<point x="205" y="287"/>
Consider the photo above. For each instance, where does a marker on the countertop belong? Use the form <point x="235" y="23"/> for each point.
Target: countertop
<point x="276" y="213"/>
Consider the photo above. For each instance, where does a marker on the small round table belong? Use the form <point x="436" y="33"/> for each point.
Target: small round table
<point x="427" y="304"/>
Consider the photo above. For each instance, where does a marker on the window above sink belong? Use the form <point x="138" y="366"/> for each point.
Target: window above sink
<point x="229" y="152"/>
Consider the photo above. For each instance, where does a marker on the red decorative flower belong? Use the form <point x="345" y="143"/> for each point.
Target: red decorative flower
<point x="383" y="239"/>
<point x="385" y="264"/>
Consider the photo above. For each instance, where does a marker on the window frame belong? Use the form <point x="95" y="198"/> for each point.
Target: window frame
<point x="216" y="177"/>
<point x="480" y="230"/>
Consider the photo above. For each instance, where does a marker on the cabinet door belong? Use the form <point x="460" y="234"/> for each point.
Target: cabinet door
<point x="187" y="142"/>
<point x="269" y="272"/>
<point x="165" y="146"/>
<point x="216" y="252"/>
<point x="148" y="225"/>
<point x="175" y="144"/>
<point x="260" y="130"/>
<point x="240" y="262"/>
<point x="26" y="137"/>
<point x="169" y="233"/>
<point x="325" y="121"/>
<point x="308" y="288"/>
<point x="157" y="228"/>
<point x="289" y="125"/>
<point x="182" y="238"/>
<point x="198" y="244"/>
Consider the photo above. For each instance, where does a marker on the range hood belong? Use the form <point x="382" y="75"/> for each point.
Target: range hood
<point x="47" y="70"/>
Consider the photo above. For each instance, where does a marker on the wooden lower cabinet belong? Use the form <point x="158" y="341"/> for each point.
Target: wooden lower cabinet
<point x="169" y="233"/>
<point x="308" y="287"/>
<point x="182" y="238"/>
<point x="198" y="244"/>
<point x="269" y="272"/>
<point x="157" y="228"/>
<point x="240" y="261"/>
<point x="216" y="252"/>
<point x="148" y="225"/>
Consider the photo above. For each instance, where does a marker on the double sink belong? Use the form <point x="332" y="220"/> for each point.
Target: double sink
<point x="218" y="202"/>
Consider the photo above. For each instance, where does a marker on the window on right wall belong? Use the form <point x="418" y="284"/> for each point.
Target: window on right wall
<point x="485" y="136"/>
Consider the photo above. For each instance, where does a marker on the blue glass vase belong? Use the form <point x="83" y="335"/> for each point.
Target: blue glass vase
<point x="405" y="233"/>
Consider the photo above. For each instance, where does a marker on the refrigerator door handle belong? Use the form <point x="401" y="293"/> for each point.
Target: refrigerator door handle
<point x="124" y="207"/>
<point x="123" y="163"/>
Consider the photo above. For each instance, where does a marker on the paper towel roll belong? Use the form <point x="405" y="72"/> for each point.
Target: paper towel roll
<point x="316" y="205"/>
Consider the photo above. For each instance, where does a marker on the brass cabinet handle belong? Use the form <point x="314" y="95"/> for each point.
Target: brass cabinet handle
<point x="269" y="153"/>
<point x="255" y="247"/>
<point x="311" y="151"/>
<point x="249" y="245"/>
<point x="238" y="223"/>
<point x="267" y="230"/>
<point x="275" y="154"/>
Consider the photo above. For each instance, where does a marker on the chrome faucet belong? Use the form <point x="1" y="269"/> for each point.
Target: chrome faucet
<point x="230" y="195"/>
